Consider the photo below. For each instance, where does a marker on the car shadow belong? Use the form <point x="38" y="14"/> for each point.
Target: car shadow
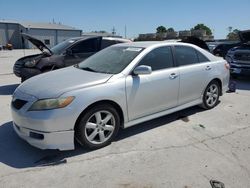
<point x="16" y="153"/>
<point x="8" y="89"/>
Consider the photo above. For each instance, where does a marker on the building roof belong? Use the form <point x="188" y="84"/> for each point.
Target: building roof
<point x="102" y="34"/>
<point x="40" y="25"/>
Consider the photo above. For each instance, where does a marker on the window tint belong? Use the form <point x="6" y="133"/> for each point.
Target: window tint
<point x="159" y="58"/>
<point x="86" y="46"/>
<point x="185" y="55"/>
<point x="106" y="43"/>
<point x="201" y="57"/>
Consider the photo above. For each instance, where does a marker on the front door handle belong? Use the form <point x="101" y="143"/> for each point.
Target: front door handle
<point x="208" y="68"/>
<point x="173" y="76"/>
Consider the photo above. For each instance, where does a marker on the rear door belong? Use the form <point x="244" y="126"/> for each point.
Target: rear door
<point x="82" y="50"/>
<point x="158" y="91"/>
<point x="194" y="70"/>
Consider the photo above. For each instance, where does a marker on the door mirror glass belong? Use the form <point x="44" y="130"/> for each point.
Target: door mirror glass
<point x="142" y="69"/>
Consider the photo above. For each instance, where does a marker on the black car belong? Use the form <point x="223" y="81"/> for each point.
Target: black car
<point x="66" y="53"/>
<point x="222" y="49"/>
<point x="239" y="56"/>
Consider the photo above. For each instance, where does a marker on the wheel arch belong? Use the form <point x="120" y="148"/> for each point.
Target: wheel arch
<point x="110" y="102"/>
<point x="218" y="80"/>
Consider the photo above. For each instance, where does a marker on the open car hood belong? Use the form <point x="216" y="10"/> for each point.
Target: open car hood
<point x="196" y="41"/>
<point x="39" y="44"/>
<point x="244" y="36"/>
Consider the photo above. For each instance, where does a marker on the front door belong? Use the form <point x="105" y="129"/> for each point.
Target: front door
<point x="158" y="91"/>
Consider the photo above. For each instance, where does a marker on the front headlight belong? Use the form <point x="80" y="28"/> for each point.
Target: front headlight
<point x="48" y="104"/>
<point x="30" y="64"/>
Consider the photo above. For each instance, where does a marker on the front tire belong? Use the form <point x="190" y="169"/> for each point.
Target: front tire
<point x="98" y="126"/>
<point x="211" y="95"/>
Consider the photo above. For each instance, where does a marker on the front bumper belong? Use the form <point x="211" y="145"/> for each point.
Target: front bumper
<point x="50" y="129"/>
<point x="61" y="140"/>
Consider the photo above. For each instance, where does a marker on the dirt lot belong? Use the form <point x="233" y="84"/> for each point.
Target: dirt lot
<point x="182" y="150"/>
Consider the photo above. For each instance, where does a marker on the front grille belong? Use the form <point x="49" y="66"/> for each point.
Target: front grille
<point x="242" y="56"/>
<point x="18" y="103"/>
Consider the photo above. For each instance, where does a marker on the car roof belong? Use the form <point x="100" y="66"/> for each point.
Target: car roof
<point x="153" y="43"/>
<point x="107" y="38"/>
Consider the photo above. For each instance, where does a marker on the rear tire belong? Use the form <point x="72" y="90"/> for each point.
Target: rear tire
<point x="98" y="126"/>
<point x="211" y="95"/>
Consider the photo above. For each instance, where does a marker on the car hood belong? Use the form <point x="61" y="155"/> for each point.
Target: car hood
<point x="39" y="44"/>
<point x="55" y="83"/>
<point x="244" y="36"/>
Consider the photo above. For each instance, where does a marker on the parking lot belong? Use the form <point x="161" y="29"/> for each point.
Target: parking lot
<point x="186" y="149"/>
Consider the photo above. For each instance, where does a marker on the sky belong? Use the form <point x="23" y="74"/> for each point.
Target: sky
<point x="139" y="16"/>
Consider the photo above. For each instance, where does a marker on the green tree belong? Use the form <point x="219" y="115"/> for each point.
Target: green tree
<point x="170" y="29"/>
<point x="233" y="35"/>
<point x="161" y="29"/>
<point x="204" y="27"/>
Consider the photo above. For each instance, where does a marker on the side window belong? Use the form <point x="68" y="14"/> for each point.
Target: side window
<point x="185" y="55"/>
<point x="106" y="43"/>
<point x="201" y="57"/>
<point x="86" y="46"/>
<point x="159" y="58"/>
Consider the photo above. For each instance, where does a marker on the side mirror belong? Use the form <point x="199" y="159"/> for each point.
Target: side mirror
<point x="142" y="69"/>
<point x="69" y="52"/>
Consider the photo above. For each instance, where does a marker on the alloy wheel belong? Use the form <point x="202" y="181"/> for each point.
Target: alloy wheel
<point x="212" y="95"/>
<point x="100" y="127"/>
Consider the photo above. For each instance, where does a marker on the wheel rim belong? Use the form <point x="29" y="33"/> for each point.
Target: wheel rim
<point x="212" y="95"/>
<point x="100" y="127"/>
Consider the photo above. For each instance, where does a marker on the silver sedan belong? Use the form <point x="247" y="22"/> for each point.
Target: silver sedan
<point x="118" y="87"/>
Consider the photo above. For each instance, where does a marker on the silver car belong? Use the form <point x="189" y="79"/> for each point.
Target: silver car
<point x="118" y="87"/>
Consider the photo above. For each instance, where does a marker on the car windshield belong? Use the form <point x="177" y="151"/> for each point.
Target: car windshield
<point x="111" y="60"/>
<point x="60" y="48"/>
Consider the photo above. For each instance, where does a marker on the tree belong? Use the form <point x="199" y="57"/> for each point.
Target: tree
<point x="161" y="29"/>
<point x="204" y="27"/>
<point x="170" y="29"/>
<point x="230" y="28"/>
<point x="233" y="35"/>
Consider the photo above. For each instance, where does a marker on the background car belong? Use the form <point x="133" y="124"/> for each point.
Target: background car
<point x="66" y="53"/>
<point x="222" y="48"/>
<point x="239" y="56"/>
<point x="118" y="87"/>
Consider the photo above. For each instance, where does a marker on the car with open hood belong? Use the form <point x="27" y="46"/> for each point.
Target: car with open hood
<point x="64" y="54"/>
<point x="118" y="87"/>
<point x="239" y="56"/>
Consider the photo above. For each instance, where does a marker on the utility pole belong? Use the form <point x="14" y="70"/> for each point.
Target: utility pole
<point x="125" y="31"/>
<point x="113" y="31"/>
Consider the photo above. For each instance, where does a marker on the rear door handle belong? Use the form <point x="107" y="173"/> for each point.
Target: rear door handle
<point x="208" y="68"/>
<point x="173" y="76"/>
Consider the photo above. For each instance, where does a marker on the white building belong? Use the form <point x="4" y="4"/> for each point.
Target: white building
<point x="50" y="33"/>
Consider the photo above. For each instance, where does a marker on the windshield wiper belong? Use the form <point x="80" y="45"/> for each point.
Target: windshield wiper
<point x="88" y="69"/>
